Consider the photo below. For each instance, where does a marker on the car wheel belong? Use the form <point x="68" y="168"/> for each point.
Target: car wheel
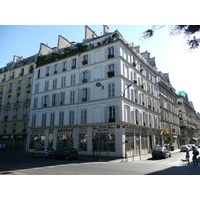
<point x="32" y="155"/>
<point x="44" y="156"/>
<point x="67" y="157"/>
<point x="170" y="155"/>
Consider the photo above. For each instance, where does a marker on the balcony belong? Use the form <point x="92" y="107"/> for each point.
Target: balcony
<point x="74" y="67"/>
<point x="84" y="99"/>
<point x="84" y="80"/>
<point x="111" y="119"/>
<point x="111" y="74"/>
<point x="84" y="62"/>
<point x="111" y="56"/>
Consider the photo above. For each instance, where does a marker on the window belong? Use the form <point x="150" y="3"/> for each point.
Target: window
<point x="33" y="120"/>
<point x="61" y="118"/>
<point x="83" y="116"/>
<point x="28" y="95"/>
<point x="22" y="72"/>
<point x="111" y="71"/>
<point x="72" y="96"/>
<point x="29" y="81"/>
<point x="85" y="60"/>
<point x="35" y="102"/>
<point x="52" y="119"/>
<point x="54" y="83"/>
<point x="84" y="94"/>
<point x="44" y="119"/>
<point x="45" y="101"/>
<point x="18" y="97"/>
<point x="71" y="117"/>
<point x="85" y="77"/>
<point x="38" y="73"/>
<point x="8" y="101"/>
<point x="47" y="71"/>
<point x="74" y="63"/>
<point x="55" y="68"/>
<point x="62" y="100"/>
<point x="111" y="52"/>
<point x="25" y="114"/>
<point x="64" y="66"/>
<point x="63" y="81"/>
<point x="112" y="114"/>
<point x="46" y="86"/>
<point x="36" y="87"/>
<point x="15" y="113"/>
<point x="10" y="87"/>
<point x="111" y="90"/>
<point x="54" y="100"/>
<point x="73" y="78"/>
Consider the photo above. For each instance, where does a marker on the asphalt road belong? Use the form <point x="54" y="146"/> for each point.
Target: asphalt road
<point x="25" y="165"/>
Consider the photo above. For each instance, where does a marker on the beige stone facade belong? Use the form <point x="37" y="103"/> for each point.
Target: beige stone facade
<point x="15" y="96"/>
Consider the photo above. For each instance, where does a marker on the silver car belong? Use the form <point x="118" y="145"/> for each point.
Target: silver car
<point x="183" y="147"/>
<point x="42" y="152"/>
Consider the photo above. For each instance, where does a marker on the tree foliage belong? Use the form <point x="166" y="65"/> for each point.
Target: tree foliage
<point x="190" y="31"/>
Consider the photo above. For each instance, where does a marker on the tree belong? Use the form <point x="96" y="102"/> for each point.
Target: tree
<point x="190" y="31"/>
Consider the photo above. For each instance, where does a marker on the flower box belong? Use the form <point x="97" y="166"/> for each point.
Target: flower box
<point x="84" y="62"/>
<point x="110" y="56"/>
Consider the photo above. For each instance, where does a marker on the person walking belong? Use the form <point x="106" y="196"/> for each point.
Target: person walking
<point x="187" y="156"/>
<point x="194" y="158"/>
<point x="3" y="147"/>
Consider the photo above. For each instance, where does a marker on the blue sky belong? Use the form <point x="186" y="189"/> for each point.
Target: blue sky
<point x="171" y="53"/>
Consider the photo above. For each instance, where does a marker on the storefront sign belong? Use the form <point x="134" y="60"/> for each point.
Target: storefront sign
<point x="83" y="130"/>
<point x="65" y="130"/>
<point x="129" y="129"/>
<point x="104" y="129"/>
<point x="38" y="131"/>
<point x="165" y="130"/>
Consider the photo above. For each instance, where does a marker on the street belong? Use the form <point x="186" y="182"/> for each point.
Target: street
<point x="25" y="165"/>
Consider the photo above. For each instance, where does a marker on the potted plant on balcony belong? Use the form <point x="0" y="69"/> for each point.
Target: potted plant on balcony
<point x="134" y="63"/>
<point x="84" y="62"/>
<point x="135" y="81"/>
<point x="110" y="56"/>
<point x="111" y="74"/>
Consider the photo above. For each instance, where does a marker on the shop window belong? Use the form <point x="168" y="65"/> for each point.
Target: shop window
<point x="104" y="142"/>
<point x="65" y="140"/>
<point x="82" y="142"/>
<point x="129" y="142"/>
<point x="36" y="141"/>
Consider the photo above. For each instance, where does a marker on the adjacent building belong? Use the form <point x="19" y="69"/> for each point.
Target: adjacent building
<point x="15" y="97"/>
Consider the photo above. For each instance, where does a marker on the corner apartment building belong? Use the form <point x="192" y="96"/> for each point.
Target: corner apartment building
<point x="15" y="97"/>
<point x="188" y="119"/>
<point x="169" y="113"/>
<point x="100" y="96"/>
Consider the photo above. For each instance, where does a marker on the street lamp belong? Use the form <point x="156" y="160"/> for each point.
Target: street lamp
<point x="126" y="88"/>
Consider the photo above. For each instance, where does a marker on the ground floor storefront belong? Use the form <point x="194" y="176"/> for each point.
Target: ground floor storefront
<point x="13" y="143"/>
<point x="104" y="140"/>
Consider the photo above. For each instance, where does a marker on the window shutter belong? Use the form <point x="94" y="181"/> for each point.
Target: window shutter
<point x="88" y="94"/>
<point x="89" y="76"/>
<point x="132" y="117"/>
<point x="42" y="102"/>
<point x="116" y="114"/>
<point x="106" y="114"/>
<point x="80" y="95"/>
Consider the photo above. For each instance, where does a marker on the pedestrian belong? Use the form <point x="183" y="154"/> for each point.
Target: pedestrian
<point x="194" y="158"/>
<point x="187" y="156"/>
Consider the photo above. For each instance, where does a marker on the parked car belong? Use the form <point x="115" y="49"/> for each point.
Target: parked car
<point x="183" y="147"/>
<point x="161" y="152"/>
<point x="66" y="153"/>
<point x="42" y="152"/>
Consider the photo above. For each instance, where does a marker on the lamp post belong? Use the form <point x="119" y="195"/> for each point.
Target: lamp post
<point x="126" y="88"/>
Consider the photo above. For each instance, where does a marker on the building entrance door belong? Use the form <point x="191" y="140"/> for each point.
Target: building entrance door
<point x="137" y="137"/>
